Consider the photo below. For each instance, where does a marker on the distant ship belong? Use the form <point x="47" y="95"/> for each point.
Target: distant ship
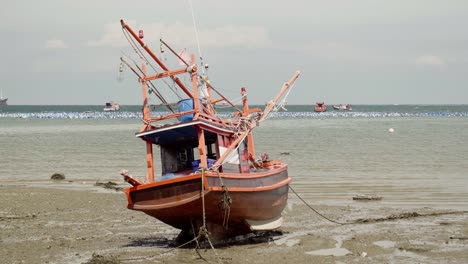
<point x="3" y="101"/>
<point x="343" y="107"/>
<point x="111" y="107"/>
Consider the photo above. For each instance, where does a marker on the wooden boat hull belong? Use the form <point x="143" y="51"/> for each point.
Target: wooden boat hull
<point x="257" y="198"/>
<point x="240" y="192"/>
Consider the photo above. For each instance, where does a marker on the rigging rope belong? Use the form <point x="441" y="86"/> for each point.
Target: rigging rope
<point x="196" y="36"/>
<point x="152" y="87"/>
<point x="232" y="151"/>
<point x="199" y="49"/>
<point x="142" y="56"/>
<point x="281" y="104"/>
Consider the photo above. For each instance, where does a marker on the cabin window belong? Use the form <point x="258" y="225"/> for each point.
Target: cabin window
<point x="184" y="156"/>
<point x="210" y="154"/>
<point x="196" y="154"/>
<point x="176" y="158"/>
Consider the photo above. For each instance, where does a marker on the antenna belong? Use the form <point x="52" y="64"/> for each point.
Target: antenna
<point x="204" y="90"/>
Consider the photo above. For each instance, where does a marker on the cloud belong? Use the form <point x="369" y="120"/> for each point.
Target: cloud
<point x="55" y="44"/>
<point x="430" y="61"/>
<point x="182" y="34"/>
<point x="112" y="37"/>
<point x="236" y="36"/>
<point x="341" y="52"/>
<point x="331" y="50"/>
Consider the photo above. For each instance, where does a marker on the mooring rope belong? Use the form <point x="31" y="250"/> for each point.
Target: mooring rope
<point x="298" y="196"/>
<point x="203" y="230"/>
<point x="374" y="220"/>
<point x="226" y="206"/>
<point x="225" y="202"/>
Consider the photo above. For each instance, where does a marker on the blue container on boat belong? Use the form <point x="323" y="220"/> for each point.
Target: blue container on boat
<point x="211" y="162"/>
<point x="196" y="164"/>
<point x="185" y="105"/>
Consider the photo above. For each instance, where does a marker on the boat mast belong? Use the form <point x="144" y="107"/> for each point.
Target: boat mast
<point x="245" y="114"/>
<point x="200" y="132"/>
<point x="146" y="116"/>
<point x="155" y="58"/>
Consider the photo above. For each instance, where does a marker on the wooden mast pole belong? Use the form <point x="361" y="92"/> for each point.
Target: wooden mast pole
<point x="278" y="96"/>
<point x="200" y="132"/>
<point x="155" y="58"/>
<point x="146" y="117"/>
<point x="245" y="114"/>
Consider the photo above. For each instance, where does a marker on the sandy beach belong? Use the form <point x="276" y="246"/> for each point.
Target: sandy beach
<point x="60" y="225"/>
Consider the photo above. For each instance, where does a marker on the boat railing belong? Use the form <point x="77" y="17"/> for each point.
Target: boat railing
<point x="169" y="116"/>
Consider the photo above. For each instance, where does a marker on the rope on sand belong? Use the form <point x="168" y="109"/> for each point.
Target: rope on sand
<point x="298" y="196"/>
<point x="382" y="219"/>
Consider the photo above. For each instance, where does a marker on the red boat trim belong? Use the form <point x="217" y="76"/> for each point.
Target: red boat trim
<point x="164" y="205"/>
<point x="269" y="172"/>
<point x="208" y="174"/>
<point x="164" y="182"/>
<point x="254" y="189"/>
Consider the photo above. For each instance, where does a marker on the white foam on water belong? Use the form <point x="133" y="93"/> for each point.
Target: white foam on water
<point x="137" y="115"/>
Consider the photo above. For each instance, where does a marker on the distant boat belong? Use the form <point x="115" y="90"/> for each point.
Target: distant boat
<point x="320" y="107"/>
<point x="111" y="107"/>
<point x="346" y="107"/>
<point x="3" y="101"/>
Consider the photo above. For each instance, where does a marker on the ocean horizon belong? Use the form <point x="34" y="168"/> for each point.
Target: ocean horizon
<point x="290" y="111"/>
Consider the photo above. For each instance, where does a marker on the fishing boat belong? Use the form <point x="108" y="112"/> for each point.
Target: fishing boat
<point x="346" y="107"/>
<point x="320" y="107"/>
<point x="3" y="101"/>
<point x="111" y="107"/>
<point x="211" y="181"/>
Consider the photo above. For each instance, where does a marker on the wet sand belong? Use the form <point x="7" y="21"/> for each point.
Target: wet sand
<point x="58" y="225"/>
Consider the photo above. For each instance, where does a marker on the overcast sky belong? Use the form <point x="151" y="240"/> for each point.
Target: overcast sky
<point x="349" y="51"/>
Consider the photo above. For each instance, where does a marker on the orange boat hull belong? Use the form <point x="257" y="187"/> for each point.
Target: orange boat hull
<point x="259" y="197"/>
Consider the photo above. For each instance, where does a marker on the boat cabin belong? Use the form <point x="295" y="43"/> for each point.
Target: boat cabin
<point x="179" y="148"/>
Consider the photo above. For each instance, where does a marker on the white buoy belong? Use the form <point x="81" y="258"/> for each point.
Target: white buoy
<point x="391" y="130"/>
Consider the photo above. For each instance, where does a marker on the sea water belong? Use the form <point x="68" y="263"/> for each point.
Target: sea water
<point x="332" y="156"/>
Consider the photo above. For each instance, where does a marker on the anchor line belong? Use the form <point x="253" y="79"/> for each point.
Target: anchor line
<point x="333" y="221"/>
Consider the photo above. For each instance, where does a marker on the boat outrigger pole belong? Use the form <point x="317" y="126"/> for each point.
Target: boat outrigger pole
<point x="273" y="102"/>
<point x="155" y="58"/>
<point x="252" y="125"/>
